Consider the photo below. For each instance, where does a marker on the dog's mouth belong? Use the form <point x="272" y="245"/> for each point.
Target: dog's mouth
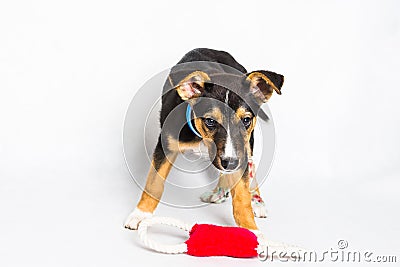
<point x="227" y="166"/>
<point x="228" y="171"/>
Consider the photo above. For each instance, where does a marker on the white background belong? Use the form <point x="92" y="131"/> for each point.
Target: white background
<point x="69" y="70"/>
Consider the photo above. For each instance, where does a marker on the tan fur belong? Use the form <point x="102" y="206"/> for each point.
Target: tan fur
<point x="228" y="180"/>
<point x="175" y="145"/>
<point x="155" y="185"/>
<point x="241" y="112"/>
<point x="241" y="201"/>
<point x="215" y="114"/>
<point x="198" y="77"/>
<point x="254" y="79"/>
<point x="198" y="122"/>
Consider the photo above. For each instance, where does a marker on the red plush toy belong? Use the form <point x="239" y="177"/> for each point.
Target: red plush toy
<point x="212" y="240"/>
<point x="205" y="239"/>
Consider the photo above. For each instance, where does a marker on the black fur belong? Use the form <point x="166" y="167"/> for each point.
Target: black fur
<point x="227" y="75"/>
<point x="205" y="54"/>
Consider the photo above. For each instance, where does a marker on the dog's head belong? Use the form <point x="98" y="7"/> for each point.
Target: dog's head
<point x="225" y="108"/>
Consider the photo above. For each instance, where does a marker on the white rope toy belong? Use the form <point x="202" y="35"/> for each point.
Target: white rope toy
<point x="169" y="249"/>
<point x="212" y="240"/>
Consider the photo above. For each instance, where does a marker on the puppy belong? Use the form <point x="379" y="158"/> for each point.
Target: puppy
<point x="209" y="99"/>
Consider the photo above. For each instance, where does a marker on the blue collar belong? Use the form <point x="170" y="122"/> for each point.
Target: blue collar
<point x="189" y="120"/>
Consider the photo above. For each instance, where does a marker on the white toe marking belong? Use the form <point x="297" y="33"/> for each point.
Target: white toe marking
<point x="133" y="220"/>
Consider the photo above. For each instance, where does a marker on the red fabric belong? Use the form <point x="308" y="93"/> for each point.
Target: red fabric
<point x="212" y="240"/>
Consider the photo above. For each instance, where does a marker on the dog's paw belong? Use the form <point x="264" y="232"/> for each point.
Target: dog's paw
<point x="216" y="196"/>
<point x="258" y="205"/>
<point x="133" y="220"/>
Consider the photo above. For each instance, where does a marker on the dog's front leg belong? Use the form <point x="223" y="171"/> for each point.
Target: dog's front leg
<point x="241" y="201"/>
<point x="159" y="170"/>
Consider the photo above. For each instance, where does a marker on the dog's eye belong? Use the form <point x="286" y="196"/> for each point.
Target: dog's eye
<point x="246" y="122"/>
<point x="210" y="123"/>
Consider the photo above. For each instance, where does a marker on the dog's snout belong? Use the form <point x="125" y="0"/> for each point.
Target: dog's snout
<point x="230" y="163"/>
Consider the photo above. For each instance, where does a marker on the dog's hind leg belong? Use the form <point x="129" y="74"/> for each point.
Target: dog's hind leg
<point x="159" y="170"/>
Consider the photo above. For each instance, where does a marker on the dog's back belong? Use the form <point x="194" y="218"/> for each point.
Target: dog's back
<point x="206" y="54"/>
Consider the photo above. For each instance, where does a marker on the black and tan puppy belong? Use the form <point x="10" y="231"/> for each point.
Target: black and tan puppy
<point x="224" y="101"/>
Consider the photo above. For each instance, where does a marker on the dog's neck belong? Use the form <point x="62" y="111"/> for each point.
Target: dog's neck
<point x="189" y="120"/>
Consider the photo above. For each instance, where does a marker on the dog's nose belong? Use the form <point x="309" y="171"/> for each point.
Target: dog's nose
<point x="229" y="164"/>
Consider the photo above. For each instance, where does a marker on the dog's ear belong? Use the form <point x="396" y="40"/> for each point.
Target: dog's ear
<point x="263" y="83"/>
<point x="192" y="85"/>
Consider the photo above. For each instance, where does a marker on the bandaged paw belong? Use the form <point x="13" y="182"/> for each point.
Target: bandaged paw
<point x="258" y="205"/>
<point x="218" y="195"/>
